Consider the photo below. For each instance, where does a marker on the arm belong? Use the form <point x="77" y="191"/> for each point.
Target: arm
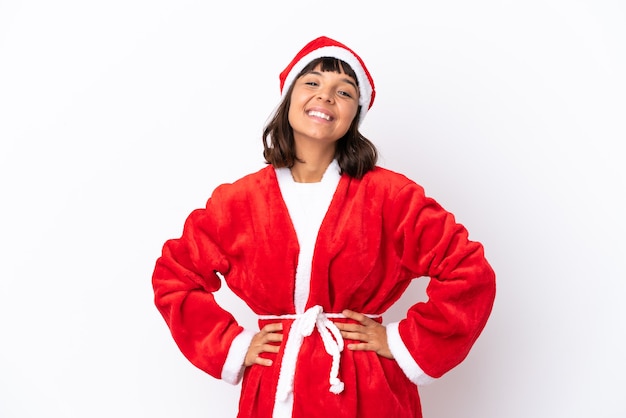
<point x="184" y="280"/>
<point x="438" y="334"/>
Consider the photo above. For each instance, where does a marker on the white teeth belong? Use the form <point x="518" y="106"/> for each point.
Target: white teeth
<point x="319" y="114"/>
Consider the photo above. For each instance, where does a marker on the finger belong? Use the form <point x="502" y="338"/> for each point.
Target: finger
<point x="273" y="337"/>
<point x="350" y="327"/>
<point x="361" y="347"/>
<point x="268" y="348"/>
<point x="274" y="327"/>
<point x="357" y="316"/>
<point x="356" y="336"/>
<point x="253" y="358"/>
<point x="263" y="361"/>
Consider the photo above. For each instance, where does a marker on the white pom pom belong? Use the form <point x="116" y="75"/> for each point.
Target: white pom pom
<point x="337" y="386"/>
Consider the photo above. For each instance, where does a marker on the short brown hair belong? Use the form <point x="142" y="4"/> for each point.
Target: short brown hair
<point x="355" y="153"/>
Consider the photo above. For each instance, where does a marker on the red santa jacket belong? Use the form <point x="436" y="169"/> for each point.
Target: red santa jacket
<point x="380" y="232"/>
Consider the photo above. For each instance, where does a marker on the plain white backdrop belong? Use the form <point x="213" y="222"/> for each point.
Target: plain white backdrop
<point x="118" y="118"/>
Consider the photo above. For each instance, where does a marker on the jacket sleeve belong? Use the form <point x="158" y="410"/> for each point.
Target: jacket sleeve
<point x="439" y="333"/>
<point x="184" y="279"/>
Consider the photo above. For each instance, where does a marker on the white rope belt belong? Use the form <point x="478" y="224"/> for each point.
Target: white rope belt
<point x="303" y="327"/>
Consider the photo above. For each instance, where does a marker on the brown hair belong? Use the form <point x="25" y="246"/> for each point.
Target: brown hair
<point x="355" y="153"/>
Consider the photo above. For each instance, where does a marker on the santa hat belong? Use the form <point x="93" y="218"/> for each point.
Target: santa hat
<point x="326" y="47"/>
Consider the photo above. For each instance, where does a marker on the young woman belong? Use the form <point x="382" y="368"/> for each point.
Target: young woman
<point x="320" y="243"/>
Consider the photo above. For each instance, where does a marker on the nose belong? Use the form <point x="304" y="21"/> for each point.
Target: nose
<point x="325" y="94"/>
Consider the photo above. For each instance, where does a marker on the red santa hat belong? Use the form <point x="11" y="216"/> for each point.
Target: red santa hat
<point x="326" y="47"/>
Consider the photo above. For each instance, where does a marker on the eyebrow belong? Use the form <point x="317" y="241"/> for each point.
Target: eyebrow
<point x="345" y="80"/>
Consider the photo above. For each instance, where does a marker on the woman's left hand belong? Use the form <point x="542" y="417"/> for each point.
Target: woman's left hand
<point x="372" y="334"/>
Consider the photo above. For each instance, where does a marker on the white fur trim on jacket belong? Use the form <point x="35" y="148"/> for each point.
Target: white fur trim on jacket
<point x="410" y="368"/>
<point x="232" y="372"/>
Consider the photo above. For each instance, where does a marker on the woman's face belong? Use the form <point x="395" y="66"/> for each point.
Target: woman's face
<point x="323" y="106"/>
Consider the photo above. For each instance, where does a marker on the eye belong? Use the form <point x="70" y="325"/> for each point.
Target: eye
<point x="348" y="91"/>
<point x="311" y="83"/>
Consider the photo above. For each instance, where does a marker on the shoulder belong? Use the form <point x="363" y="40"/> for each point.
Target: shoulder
<point x="391" y="181"/>
<point x="248" y="183"/>
<point x="240" y="192"/>
<point x="397" y="194"/>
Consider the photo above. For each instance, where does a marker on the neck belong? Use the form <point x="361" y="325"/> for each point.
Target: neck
<point x="313" y="164"/>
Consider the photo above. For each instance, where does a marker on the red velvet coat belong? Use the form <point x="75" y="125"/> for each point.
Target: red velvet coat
<point x="379" y="233"/>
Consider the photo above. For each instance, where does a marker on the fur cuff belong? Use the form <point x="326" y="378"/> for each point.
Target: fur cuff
<point x="402" y="355"/>
<point x="232" y="372"/>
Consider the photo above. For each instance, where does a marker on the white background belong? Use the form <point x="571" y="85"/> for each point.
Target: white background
<point x="117" y="118"/>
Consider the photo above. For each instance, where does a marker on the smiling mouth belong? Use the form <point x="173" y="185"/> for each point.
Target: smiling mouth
<point x="319" y="115"/>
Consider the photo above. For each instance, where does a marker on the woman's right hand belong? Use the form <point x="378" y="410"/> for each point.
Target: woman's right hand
<point x="261" y="344"/>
